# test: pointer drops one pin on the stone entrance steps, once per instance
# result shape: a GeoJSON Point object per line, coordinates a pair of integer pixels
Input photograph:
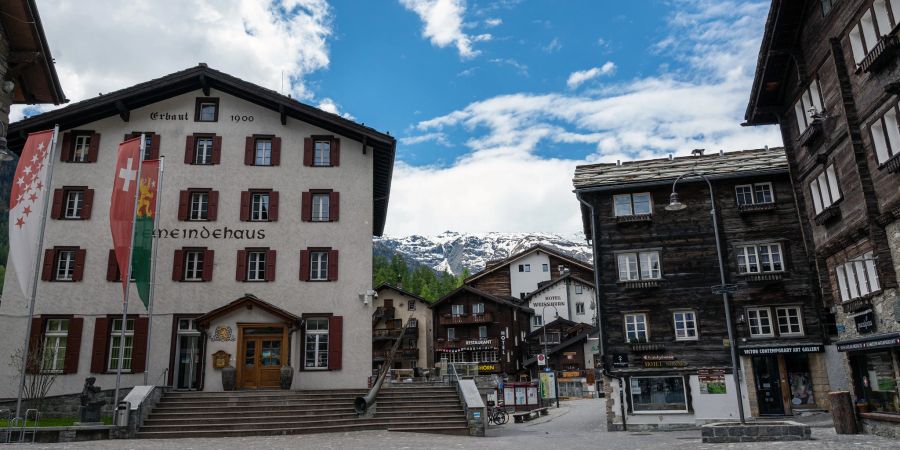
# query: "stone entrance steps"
{"type": "Point", "coordinates": [274, 412]}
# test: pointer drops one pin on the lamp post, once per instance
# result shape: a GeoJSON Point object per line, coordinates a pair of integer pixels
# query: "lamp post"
{"type": "Point", "coordinates": [676, 205]}
{"type": "Point", "coordinates": [547, 357]}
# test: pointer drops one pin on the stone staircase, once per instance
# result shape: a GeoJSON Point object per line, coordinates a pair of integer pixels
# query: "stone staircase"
{"type": "Point", "coordinates": [428, 409]}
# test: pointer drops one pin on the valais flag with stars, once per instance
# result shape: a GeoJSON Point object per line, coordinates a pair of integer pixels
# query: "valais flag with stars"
{"type": "Point", "coordinates": [26, 204]}
{"type": "Point", "coordinates": [122, 214]}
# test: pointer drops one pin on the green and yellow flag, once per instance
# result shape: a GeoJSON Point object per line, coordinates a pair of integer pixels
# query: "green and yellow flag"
{"type": "Point", "coordinates": [145, 217]}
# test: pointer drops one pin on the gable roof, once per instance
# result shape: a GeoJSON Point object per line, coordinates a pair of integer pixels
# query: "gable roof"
{"type": "Point", "coordinates": [559, 321]}
{"type": "Point", "coordinates": [248, 300]}
{"type": "Point", "coordinates": [511, 302]}
{"type": "Point", "coordinates": [497, 264]}
{"type": "Point", "coordinates": [31, 64]}
{"type": "Point", "coordinates": [664, 170]}
{"type": "Point", "coordinates": [562, 346]}
{"type": "Point", "coordinates": [551, 283]}
{"type": "Point", "coordinates": [386, 286]}
{"type": "Point", "coordinates": [121, 102]}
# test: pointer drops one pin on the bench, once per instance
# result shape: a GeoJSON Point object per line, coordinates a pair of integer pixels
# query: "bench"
{"type": "Point", "coordinates": [525, 416]}
{"type": "Point", "coordinates": [544, 411]}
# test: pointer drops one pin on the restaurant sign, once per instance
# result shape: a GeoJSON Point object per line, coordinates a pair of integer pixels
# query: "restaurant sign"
{"type": "Point", "coordinates": [479, 342]}
{"type": "Point", "coordinates": [781, 350]}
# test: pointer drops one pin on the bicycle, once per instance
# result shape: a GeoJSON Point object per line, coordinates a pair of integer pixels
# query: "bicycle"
{"type": "Point", "coordinates": [497, 416]}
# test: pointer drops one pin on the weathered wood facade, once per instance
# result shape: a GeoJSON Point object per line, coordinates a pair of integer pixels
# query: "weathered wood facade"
{"type": "Point", "coordinates": [394, 307]}
{"type": "Point", "coordinates": [848, 53]}
{"type": "Point", "coordinates": [667, 322]}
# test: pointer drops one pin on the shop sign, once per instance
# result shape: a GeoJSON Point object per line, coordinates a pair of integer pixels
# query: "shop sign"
{"type": "Point", "coordinates": [781, 350]}
{"type": "Point", "coordinates": [865, 321]}
{"type": "Point", "coordinates": [487, 367]}
{"type": "Point", "coordinates": [620, 360]}
{"type": "Point", "coordinates": [647, 347]}
{"type": "Point", "coordinates": [479, 342]}
{"type": "Point", "coordinates": [502, 342]}
{"type": "Point", "coordinates": [662, 357]}
{"type": "Point", "coordinates": [658, 364]}
{"type": "Point", "coordinates": [888, 340]}
{"type": "Point", "coordinates": [574, 374]}
{"type": "Point", "coordinates": [712, 381]}
{"type": "Point", "coordinates": [221, 359]}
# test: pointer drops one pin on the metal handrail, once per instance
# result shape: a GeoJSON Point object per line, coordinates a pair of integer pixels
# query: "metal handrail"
{"type": "Point", "coordinates": [363, 403]}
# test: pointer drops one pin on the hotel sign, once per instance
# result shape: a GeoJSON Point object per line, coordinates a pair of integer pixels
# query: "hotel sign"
{"type": "Point", "coordinates": [781, 350]}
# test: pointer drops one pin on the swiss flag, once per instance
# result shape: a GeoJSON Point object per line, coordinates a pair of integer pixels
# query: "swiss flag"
{"type": "Point", "coordinates": [121, 206]}
{"type": "Point", "coordinates": [26, 203]}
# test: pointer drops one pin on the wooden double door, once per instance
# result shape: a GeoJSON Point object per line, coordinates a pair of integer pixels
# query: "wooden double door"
{"type": "Point", "coordinates": [263, 351]}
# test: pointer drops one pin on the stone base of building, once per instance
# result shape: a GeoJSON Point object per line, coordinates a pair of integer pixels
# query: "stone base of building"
{"type": "Point", "coordinates": [57, 406]}
{"type": "Point", "coordinates": [728, 432]}
{"type": "Point", "coordinates": [890, 429]}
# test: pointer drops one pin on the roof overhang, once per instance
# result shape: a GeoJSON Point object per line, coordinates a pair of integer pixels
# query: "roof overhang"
{"type": "Point", "coordinates": [513, 258]}
{"type": "Point", "coordinates": [479, 293]}
{"type": "Point", "coordinates": [30, 63]}
{"type": "Point", "coordinates": [247, 302]}
{"type": "Point", "coordinates": [385, 287]}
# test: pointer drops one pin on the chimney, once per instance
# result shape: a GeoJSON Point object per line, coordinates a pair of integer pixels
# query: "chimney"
{"type": "Point", "coordinates": [697, 152]}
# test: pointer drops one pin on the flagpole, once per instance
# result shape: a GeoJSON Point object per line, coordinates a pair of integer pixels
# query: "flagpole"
{"type": "Point", "coordinates": [37, 268]}
{"type": "Point", "coordinates": [159, 182]}
{"type": "Point", "coordinates": [137, 194]}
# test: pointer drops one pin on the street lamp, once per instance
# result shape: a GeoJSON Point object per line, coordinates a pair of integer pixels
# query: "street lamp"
{"type": "Point", "coordinates": [676, 205]}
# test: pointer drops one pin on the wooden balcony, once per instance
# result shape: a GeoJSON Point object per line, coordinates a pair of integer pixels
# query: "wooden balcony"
{"type": "Point", "coordinates": [813, 132]}
{"type": "Point", "coordinates": [402, 354]}
{"type": "Point", "coordinates": [386, 334]}
{"type": "Point", "coordinates": [892, 165]}
{"type": "Point", "coordinates": [756, 207]}
{"type": "Point", "coordinates": [881, 54]}
{"type": "Point", "coordinates": [635, 218]}
{"type": "Point", "coordinates": [466, 319]}
{"type": "Point", "coordinates": [827, 215]}
{"type": "Point", "coordinates": [382, 313]}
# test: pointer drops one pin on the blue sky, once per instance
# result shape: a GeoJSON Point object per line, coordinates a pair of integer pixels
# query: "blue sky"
{"type": "Point", "coordinates": [494, 103]}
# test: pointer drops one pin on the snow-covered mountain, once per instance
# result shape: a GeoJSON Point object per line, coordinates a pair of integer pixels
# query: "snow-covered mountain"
{"type": "Point", "coordinates": [452, 251]}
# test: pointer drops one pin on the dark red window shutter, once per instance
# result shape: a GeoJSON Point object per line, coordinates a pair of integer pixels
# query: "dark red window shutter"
{"type": "Point", "coordinates": [217, 150]}
{"type": "Point", "coordinates": [178, 266]}
{"type": "Point", "coordinates": [276, 151]}
{"type": "Point", "coordinates": [335, 342]}
{"type": "Point", "coordinates": [73, 345]}
{"type": "Point", "coordinates": [56, 207]}
{"type": "Point", "coordinates": [273, 206]}
{"type": "Point", "coordinates": [335, 152]}
{"type": "Point", "coordinates": [208, 260]}
{"type": "Point", "coordinates": [112, 267]}
{"type": "Point", "coordinates": [154, 147]}
{"type": "Point", "coordinates": [189, 150]}
{"type": "Point", "coordinates": [49, 260]}
{"type": "Point", "coordinates": [88, 204]}
{"type": "Point", "coordinates": [306, 206]}
{"type": "Point", "coordinates": [139, 351]}
{"type": "Point", "coordinates": [304, 265]}
{"type": "Point", "coordinates": [307, 151]}
{"type": "Point", "coordinates": [240, 272]}
{"type": "Point", "coordinates": [332, 265]}
{"type": "Point", "coordinates": [94, 149]}
{"type": "Point", "coordinates": [68, 145]}
{"type": "Point", "coordinates": [248, 151]}
{"type": "Point", "coordinates": [35, 345]}
{"type": "Point", "coordinates": [334, 206]}
{"type": "Point", "coordinates": [78, 273]}
{"type": "Point", "coordinates": [212, 210]}
{"type": "Point", "coordinates": [101, 338]}
{"type": "Point", "coordinates": [245, 206]}
{"type": "Point", "coordinates": [184, 197]}
{"type": "Point", "coordinates": [270, 265]}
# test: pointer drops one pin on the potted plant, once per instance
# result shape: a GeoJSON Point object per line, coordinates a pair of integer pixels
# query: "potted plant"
{"type": "Point", "coordinates": [229, 378]}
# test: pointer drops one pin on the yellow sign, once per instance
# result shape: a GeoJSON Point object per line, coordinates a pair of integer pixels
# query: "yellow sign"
{"type": "Point", "coordinates": [487, 367]}
{"type": "Point", "coordinates": [570, 374]}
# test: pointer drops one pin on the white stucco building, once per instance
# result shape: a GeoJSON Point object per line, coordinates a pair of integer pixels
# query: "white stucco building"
{"type": "Point", "coordinates": [568, 297]}
{"type": "Point", "coordinates": [265, 239]}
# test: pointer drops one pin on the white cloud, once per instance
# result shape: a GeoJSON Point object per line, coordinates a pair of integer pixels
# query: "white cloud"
{"type": "Point", "coordinates": [443, 23]}
{"type": "Point", "coordinates": [522, 68]}
{"type": "Point", "coordinates": [504, 184]}
{"type": "Point", "coordinates": [553, 46]}
{"type": "Point", "coordinates": [440, 138]}
{"type": "Point", "coordinates": [126, 43]}
{"type": "Point", "coordinates": [579, 77]}
{"type": "Point", "coordinates": [493, 22]}
{"type": "Point", "coordinates": [328, 105]}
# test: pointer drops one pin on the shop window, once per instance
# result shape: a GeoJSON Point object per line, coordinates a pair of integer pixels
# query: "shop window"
{"type": "Point", "coordinates": [655, 394]}
{"type": "Point", "coordinates": [875, 382]}
{"type": "Point", "coordinates": [800, 380]}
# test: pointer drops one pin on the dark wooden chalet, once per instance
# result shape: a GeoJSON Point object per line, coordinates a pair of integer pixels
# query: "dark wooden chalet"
{"type": "Point", "coordinates": [828, 75]}
{"type": "Point", "coordinates": [662, 326]}
{"type": "Point", "coordinates": [473, 326]}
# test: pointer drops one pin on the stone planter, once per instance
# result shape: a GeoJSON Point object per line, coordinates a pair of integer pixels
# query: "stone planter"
{"type": "Point", "coordinates": [287, 377]}
{"type": "Point", "coordinates": [729, 432]}
{"type": "Point", "coordinates": [229, 378]}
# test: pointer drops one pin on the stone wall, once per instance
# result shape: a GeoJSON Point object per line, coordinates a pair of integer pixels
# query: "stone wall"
{"type": "Point", "coordinates": [65, 405]}
{"type": "Point", "coordinates": [880, 428]}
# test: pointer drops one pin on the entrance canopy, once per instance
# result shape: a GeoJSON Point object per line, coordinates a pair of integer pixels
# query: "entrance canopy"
{"type": "Point", "coordinates": [247, 302]}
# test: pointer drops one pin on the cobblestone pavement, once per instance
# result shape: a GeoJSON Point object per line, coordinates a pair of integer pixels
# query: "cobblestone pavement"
{"type": "Point", "coordinates": [575, 425]}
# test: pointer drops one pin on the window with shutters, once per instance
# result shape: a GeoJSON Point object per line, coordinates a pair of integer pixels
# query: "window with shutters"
{"type": "Point", "coordinates": [206, 109]}
{"type": "Point", "coordinates": [478, 308]}
{"type": "Point", "coordinates": [579, 289]}
{"type": "Point", "coordinates": [65, 265]}
{"type": "Point", "coordinates": [193, 265]}
{"type": "Point", "coordinates": [808, 105]}
{"type": "Point", "coordinates": [115, 344]}
{"type": "Point", "coordinates": [760, 322]}
{"type": "Point", "coordinates": [203, 150]}
{"type": "Point", "coordinates": [263, 152]}
{"type": "Point", "coordinates": [685, 325]}
{"type": "Point", "coordinates": [316, 355]}
{"type": "Point", "coordinates": [824, 189]}
{"type": "Point", "coordinates": [789, 320]}
{"type": "Point", "coordinates": [82, 144]}
{"type": "Point", "coordinates": [74, 204]}
{"type": "Point", "coordinates": [56, 333]}
{"type": "Point", "coordinates": [322, 153]}
{"type": "Point", "coordinates": [636, 327]}
{"type": "Point", "coordinates": [320, 207]}
{"type": "Point", "coordinates": [632, 204]}
{"type": "Point", "coordinates": [199, 206]}
{"type": "Point", "coordinates": [545, 268]}
{"type": "Point", "coordinates": [885, 131]}
{"type": "Point", "coordinates": [639, 266]}
{"type": "Point", "coordinates": [857, 277]}
{"type": "Point", "coordinates": [318, 265]}
{"type": "Point", "coordinates": [877, 22]}
{"type": "Point", "coordinates": [411, 305]}
{"type": "Point", "coordinates": [482, 332]}
{"type": "Point", "coordinates": [760, 258]}
{"type": "Point", "coordinates": [751, 194]}
{"type": "Point", "coordinates": [451, 333]}
{"type": "Point", "coordinates": [256, 265]}
{"type": "Point", "coordinates": [259, 207]}
{"type": "Point", "coordinates": [537, 321]}
{"type": "Point", "coordinates": [458, 310]}
{"type": "Point", "coordinates": [579, 308]}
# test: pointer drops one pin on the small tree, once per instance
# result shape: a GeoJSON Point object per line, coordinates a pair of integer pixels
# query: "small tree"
{"type": "Point", "coordinates": [37, 381]}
